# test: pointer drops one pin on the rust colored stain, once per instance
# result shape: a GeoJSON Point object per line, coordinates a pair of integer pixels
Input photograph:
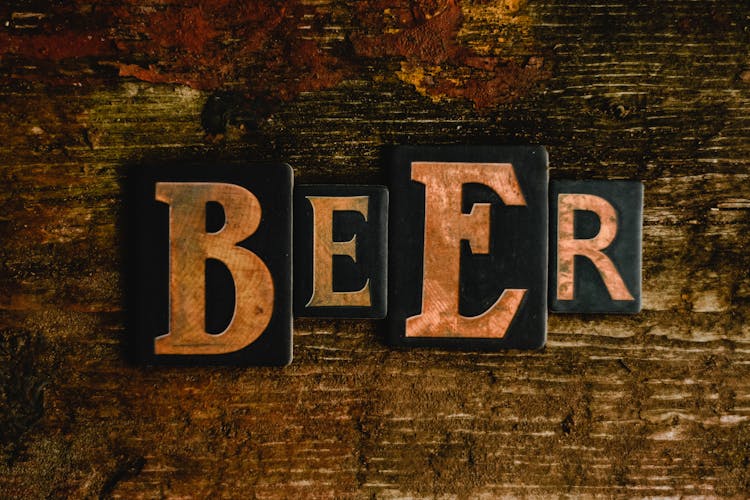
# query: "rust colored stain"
{"type": "Point", "coordinates": [437, 64]}
{"type": "Point", "coordinates": [56, 47]}
{"type": "Point", "coordinates": [427, 39]}
{"type": "Point", "coordinates": [218, 41]}
{"type": "Point", "coordinates": [204, 44]}
{"type": "Point", "coordinates": [275, 50]}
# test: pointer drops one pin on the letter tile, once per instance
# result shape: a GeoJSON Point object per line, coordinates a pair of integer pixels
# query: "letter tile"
{"type": "Point", "coordinates": [340, 242]}
{"type": "Point", "coordinates": [211, 264]}
{"type": "Point", "coordinates": [595, 254]}
{"type": "Point", "coordinates": [468, 246]}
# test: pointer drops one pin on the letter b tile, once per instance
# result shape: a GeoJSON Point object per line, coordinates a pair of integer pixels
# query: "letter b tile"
{"type": "Point", "coordinates": [468, 247]}
{"type": "Point", "coordinates": [340, 244]}
{"type": "Point", "coordinates": [210, 264]}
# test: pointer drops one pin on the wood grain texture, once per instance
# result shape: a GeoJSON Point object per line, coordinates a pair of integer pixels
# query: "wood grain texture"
{"type": "Point", "coordinates": [655, 404]}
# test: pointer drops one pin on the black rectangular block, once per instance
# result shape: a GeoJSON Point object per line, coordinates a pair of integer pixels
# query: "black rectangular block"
{"type": "Point", "coordinates": [209, 257]}
{"type": "Point", "coordinates": [468, 247]}
{"type": "Point", "coordinates": [596, 239]}
{"type": "Point", "coordinates": [340, 244]}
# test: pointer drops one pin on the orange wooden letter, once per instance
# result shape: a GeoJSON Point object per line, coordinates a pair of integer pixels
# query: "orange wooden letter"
{"type": "Point", "coordinates": [324, 248]}
{"type": "Point", "coordinates": [445, 227]}
{"type": "Point", "coordinates": [189, 247]}
{"type": "Point", "coordinates": [568, 247]}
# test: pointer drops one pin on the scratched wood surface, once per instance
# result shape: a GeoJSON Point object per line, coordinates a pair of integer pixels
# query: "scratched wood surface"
{"type": "Point", "coordinates": [655, 404]}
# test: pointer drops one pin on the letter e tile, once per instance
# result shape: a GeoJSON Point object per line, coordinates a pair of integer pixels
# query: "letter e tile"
{"type": "Point", "coordinates": [340, 244]}
{"type": "Point", "coordinates": [468, 246]}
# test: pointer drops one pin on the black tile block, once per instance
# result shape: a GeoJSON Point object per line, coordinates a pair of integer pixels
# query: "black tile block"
{"type": "Point", "coordinates": [340, 244]}
{"type": "Point", "coordinates": [209, 258]}
{"type": "Point", "coordinates": [468, 247]}
{"type": "Point", "coordinates": [595, 250]}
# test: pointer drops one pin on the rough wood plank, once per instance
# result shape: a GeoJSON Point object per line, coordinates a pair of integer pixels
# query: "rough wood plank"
{"type": "Point", "coordinates": [653, 404]}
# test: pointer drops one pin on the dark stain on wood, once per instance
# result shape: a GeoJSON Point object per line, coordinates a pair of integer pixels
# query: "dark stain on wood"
{"type": "Point", "coordinates": [21, 388]}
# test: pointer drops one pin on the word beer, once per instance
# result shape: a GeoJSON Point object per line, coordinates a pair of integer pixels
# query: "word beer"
{"type": "Point", "coordinates": [456, 253]}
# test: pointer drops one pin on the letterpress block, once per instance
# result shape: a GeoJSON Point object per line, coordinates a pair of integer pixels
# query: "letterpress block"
{"type": "Point", "coordinates": [211, 263]}
{"type": "Point", "coordinates": [595, 255]}
{"type": "Point", "coordinates": [340, 242]}
{"type": "Point", "coordinates": [468, 247]}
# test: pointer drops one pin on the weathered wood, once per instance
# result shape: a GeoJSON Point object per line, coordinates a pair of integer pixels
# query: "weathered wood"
{"type": "Point", "coordinates": [652, 404]}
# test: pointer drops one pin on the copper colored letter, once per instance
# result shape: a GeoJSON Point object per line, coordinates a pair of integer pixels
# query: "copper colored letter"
{"type": "Point", "coordinates": [189, 247]}
{"type": "Point", "coordinates": [445, 226]}
{"type": "Point", "coordinates": [324, 248]}
{"type": "Point", "coordinates": [568, 247]}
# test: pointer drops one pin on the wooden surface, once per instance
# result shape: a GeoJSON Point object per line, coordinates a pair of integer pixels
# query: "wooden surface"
{"type": "Point", "coordinates": [652, 404]}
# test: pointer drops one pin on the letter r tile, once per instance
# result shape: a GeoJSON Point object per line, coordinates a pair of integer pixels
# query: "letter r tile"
{"type": "Point", "coordinates": [209, 264]}
{"type": "Point", "coordinates": [468, 247]}
{"type": "Point", "coordinates": [340, 244]}
{"type": "Point", "coordinates": [595, 251]}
